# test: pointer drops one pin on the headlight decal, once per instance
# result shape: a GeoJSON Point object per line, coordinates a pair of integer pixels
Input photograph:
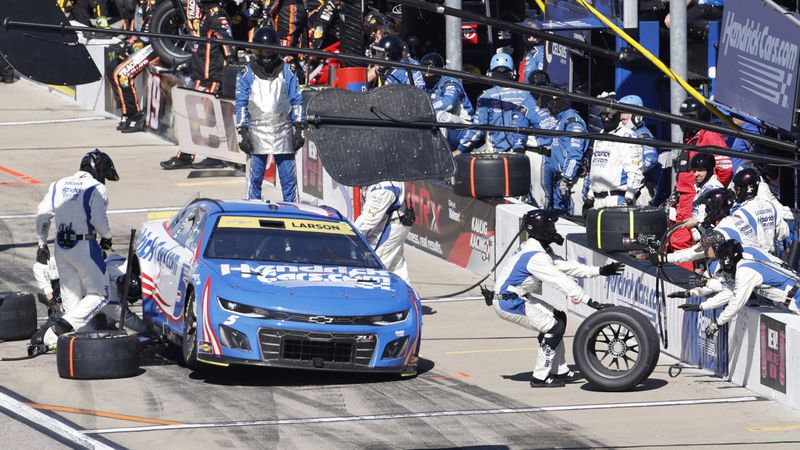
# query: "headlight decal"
{"type": "Point", "coordinates": [208, 330]}
{"type": "Point", "coordinates": [418, 318]}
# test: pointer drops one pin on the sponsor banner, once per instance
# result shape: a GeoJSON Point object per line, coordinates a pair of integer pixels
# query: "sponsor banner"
{"type": "Point", "coordinates": [772, 339]}
{"type": "Point", "coordinates": [757, 66]}
{"type": "Point", "coordinates": [697, 349]}
{"type": "Point", "coordinates": [293, 275]}
{"type": "Point", "coordinates": [159, 111]}
{"type": "Point", "coordinates": [558, 58]}
{"type": "Point", "coordinates": [458, 229]}
{"type": "Point", "coordinates": [205, 125]}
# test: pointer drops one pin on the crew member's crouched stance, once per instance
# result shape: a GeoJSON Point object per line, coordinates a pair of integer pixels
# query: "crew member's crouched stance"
{"type": "Point", "coordinates": [533, 263]}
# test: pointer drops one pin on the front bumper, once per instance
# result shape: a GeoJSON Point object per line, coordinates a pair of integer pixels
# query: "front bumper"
{"type": "Point", "coordinates": [320, 349]}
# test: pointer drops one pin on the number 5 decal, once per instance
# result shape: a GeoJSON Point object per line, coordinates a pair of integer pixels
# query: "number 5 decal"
{"type": "Point", "coordinates": [231, 320]}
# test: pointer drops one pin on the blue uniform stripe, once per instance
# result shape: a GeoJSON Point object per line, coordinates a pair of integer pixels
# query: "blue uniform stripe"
{"type": "Point", "coordinates": [87, 197]}
{"type": "Point", "coordinates": [751, 220]}
{"type": "Point", "coordinates": [730, 233]}
{"type": "Point", "coordinates": [518, 273]}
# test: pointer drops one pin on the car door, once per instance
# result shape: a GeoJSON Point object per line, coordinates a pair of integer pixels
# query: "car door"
{"type": "Point", "coordinates": [176, 258]}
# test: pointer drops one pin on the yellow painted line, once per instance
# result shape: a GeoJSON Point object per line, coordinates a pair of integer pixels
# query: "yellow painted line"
{"type": "Point", "coordinates": [776, 428]}
{"type": "Point", "coordinates": [492, 351]}
{"type": "Point", "coordinates": [209, 183]}
{"type": "Point", "coordinates": [161, 215]}
{"type": "Point", "coordinates": [68, 90]}
{"type": "Point", "coordinates": [110, 415]}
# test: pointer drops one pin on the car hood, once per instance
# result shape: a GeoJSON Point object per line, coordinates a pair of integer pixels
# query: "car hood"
{"type": "Point", "coordinates": [312, 289]}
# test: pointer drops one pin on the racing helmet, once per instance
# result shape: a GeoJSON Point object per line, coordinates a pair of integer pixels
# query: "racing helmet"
{"type": "Point", "coordinates": [745, 184]}
{"type": "Point", "coordinates": [501, 66]}
{"type": "Point", "coordinates": [711, 240]}
{"type": "Point", "coordinates": [540, 224]}
{"type": "Point", "coordinates": [634, 100]}
{"type": "Point", "coordinates": [100, 166]}
{"type": "Point", "coordinates": [703, 161]}
{"type": "Point", "coordinates": [555, 103]}
{"type": "Point", "coordinates": [729, 253]}
{"type": "Point", "coordinates": [693, 109]}
{"type": "Point", "coordinates": [266, 35]}
{"type": "Point", "coordinates": [389, 48]}
{"type": "Point", "coordinates": [718, 203]}
{"type": "Point", "coordinates": [538, 78]}
{"type": "Point", "coordinates": [435, 60]}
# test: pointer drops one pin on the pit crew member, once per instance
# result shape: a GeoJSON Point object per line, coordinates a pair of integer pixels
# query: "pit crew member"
{"type": "Point", "coordinates": [615, 175]}
{"type": "Point", "coordinates": [746, 270]}
{"type": "Point", "coordinates": [268, 101]}
{"type": "Point", "coordinates": [531, 264]}
{"type": "Point", "coordinates": [385, 221]}
{"type": "Point", "coordinates": [449, 100]}
{"type": "Point", "coordinates": [78, 204]}
{"type": "Point", "coordinates": [651, 167]}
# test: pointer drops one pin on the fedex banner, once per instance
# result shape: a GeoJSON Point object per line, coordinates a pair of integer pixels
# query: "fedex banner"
{"type": "Point", "coordinates": [758, 64]}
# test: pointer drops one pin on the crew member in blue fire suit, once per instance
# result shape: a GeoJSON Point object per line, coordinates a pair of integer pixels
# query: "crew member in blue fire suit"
{"type": "Point", "coordinates": [567, 154]}
{"type": "Point", "coordinates": [501, 106]}
{"type": "Point", "coordinates": [448, 98]}
{"type": "Point", "coordinates": [652, 169]}
{"type": "Point", "coordinates": [392, 48]}
{"type": "Point", "coordinates": [532, 264]}
{"type": "Point", "coordinates": [268, 101]}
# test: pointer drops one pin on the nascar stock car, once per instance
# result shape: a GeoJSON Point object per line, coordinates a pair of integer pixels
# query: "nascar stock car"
{"type": "Point", "coordinates": [275, 284]}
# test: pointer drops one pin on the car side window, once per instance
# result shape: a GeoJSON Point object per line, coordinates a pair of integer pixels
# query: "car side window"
{"type": "Point", "coordinates": [197, 224]}
{"type": "Point", "coordinates": [182, 231]}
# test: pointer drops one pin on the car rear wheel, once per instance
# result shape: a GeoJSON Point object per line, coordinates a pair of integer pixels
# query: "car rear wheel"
{"type": "Point", "coordinates": [189, 340]}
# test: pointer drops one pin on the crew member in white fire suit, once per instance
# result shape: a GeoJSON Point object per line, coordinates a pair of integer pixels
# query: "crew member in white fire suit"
{"type": "Point", "coordinates": [47, 280]}
{"type": "Point", "coordinates": [268, 103]}
{"type": "Point", "coordinates": [740, 271]}
{"type": "Point", "coordinates": [385, 221]}
{"type": "Point", "coordinates": [615, 176]}
{"type": "Point", "coordinates": [78, 203]}
{"type": "Point", "coordinates": [530, 265]}
{"type": "Point", "coordinates": [754, 221]}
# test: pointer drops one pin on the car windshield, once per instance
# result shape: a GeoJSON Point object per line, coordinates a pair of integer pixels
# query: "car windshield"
{"type": "Point", "coordinates": [298, 241]}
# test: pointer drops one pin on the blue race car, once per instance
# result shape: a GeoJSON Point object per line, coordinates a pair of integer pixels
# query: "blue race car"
{"type": "Point", "coordinates": [275, 284]}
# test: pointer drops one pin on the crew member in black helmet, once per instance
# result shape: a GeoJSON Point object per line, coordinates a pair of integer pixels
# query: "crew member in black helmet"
{"type": "Point", "coordinates": [78, 204]}
{"type": "Point", "coordinates": [530, 265]}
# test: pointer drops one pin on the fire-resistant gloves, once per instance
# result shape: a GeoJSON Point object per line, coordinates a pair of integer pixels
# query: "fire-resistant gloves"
{"type": "Point", "coordinates": [615, 268]}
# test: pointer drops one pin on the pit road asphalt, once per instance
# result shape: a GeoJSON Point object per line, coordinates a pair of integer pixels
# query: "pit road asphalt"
{"type": "Point", "coordinates": [472, 390]}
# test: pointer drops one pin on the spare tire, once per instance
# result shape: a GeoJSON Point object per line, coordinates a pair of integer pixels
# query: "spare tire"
{"type": "Point", "coordinates": [96, 355]}
{"type": "Point", "coordinates": [169, 20]}
{"type": "Point", "coordinates": [488, 175]}
{"type": "Point", "coordinates": [17, 315]}
{"type": "Point", "coordinates": [620, 227]}
{"type": "Point", "coordinates": [616, 348]}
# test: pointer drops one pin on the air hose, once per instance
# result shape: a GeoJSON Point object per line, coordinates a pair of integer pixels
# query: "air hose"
{"type": "Point", "coordinates": [496, 264]}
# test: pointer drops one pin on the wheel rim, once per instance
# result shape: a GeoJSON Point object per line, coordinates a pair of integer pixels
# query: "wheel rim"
{"type": "Point", "coordinates": [613, 349]}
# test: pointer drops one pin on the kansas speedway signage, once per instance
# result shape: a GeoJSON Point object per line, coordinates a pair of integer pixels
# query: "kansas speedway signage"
{"type": "Point", "coordinates": [757, 66]}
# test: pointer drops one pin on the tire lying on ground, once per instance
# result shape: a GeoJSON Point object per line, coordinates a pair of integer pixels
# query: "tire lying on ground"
{"type": "Point", "coordinates": [166, 19]}
{"type": "Point", "coordinates": [490, 175]}
{"type": "Point", "coordinates": [94, 355]}
{"type": "Point", "coordinates": [17, 315]}
{"type": "Point", "coordinates": [616, 348]}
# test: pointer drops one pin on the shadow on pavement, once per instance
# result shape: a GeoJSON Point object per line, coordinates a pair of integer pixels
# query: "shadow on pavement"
{"type": "Point", "coordinates": [650, 384]}
{"type": "Point", "coordinates": [260, 376]}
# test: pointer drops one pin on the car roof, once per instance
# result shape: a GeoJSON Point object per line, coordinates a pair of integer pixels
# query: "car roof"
{"type": "Point", "coordinates": [276, 209]}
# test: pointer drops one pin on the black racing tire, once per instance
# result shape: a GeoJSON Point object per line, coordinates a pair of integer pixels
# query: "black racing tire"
{"type": "Point", "coordinates": [17, 315]}
{"type": "Point", "coordinates": [189, 339]}
{"type": "Point", "coordinates": [609, 229]}
{"type": "Point", "coordinates": [97, 355]}
{"type": "Point", "coordinates": [169, 20]}
{"type": "Point", "coordinates": [627, 337]}
{"type": "Point", "coordinates": [492, 175]}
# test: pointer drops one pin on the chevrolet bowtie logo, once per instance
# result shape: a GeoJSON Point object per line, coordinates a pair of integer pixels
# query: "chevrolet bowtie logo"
{"type": "Point", "coordinates": [320, 319]}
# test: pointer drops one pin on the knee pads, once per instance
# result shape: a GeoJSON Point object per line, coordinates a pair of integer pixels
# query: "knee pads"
{"type": "Point", "coordinates": [552, 337]}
